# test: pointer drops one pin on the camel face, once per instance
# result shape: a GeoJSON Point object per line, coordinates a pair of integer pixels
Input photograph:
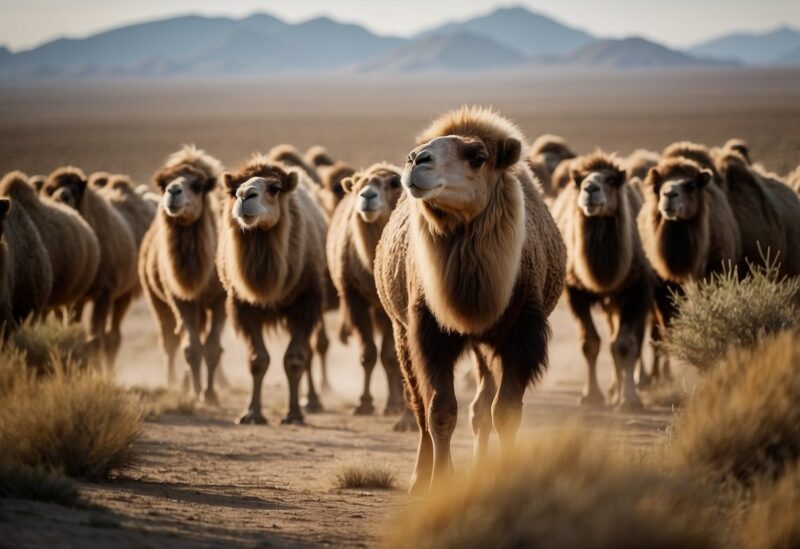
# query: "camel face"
{"type": "Point", "coordinates": [679, 199]}
{"type": "Point", "coordinates": [455, 174]}
{"type": "Point", "coordinates": [377, 194]}
{"type": "Point", "coordinates": [599, 193]}
{"type": "Point", "coordinates": [183, 197]}
{"type": "Point", "coordinates": [67, 188]}
{"type": "Point", "coordinates": [259, 200]}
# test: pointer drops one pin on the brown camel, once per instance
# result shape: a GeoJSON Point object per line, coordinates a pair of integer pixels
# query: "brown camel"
{"type": "Point", "coordinates": [766, 210]}
{"type": "Point", "coordinates": [606, 266]}
{"type": "Point", "coordinates": [116, 274]}
{"type": "Point", "coordinates": [318, 156]}
{"type": "Point", "coordinates": [546, 153]}
{"type": "Point", "coordinates": [26, 277]}
{"type": "Point", "coordinates": [290, 156]}
{"type": "Point", "coordinates": [471, 257]}
{"type": "Point", "coordinates": [71, 244]}
{"type": "Point", "coordinates": [331, 192]}
{"type": "Point", "coordinates": [353, 236]}
{"type": "Point", "coordinates": [177, 266]}
{"type": "Point", "coordinates": [270, 262]}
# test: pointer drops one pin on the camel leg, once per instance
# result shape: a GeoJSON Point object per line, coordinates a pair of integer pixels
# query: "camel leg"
{"type": "Point", "coordinates": [249, 323]}
{"type": "Point", "coordinates": [628, 319]}
{"type": "Point", "coordinates": [580, 303]}
{"type": "Point", "coordinates": [423, 467]}
{"type": "Point", "coordinates": [114, 338]}
{"type": "Point", "coordinates": [321, 345]}
{"type": "Point", "coordinates": [435, 352]}
{"type": "Point", "coordinates": [302, 318]}
{"type": "Point", "coordinates": [359, 313]}
{"type": "Point", "coordinates": [320, 340]}
{"type": "Point", "coordinates": [97, 331]}
{"type": "Point", "coordinates": [168, 337]}
{"type": "Point", "coordinates": [396, 403]}
{"type": "Point", "coordinates": [212, 350]}
{"type": "Point", "coordinates": [665, 310]}
{"type": "Point", "coordinates": [192, 347]}
{"type": "Point", "coordinates": [481, 408]}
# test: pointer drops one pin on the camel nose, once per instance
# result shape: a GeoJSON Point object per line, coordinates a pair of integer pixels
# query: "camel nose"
{"type": "Point", "coordinates": [592, 188]}
{"type": "Point", "coordinates": [175, 190]}
{"type": "Point", "coordinates": [369, 193]}
{"type": "Point", "coordinates": [423, 157]}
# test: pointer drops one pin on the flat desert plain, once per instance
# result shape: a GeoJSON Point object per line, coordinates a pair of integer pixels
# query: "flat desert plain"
{"type": "Point", "coordinates": [200, 479]}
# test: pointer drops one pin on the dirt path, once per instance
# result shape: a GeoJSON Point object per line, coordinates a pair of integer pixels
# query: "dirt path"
{"type": "Point", "coordinates": [201, 480]}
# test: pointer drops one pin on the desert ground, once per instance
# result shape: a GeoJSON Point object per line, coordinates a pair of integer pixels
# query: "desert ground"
{"type": "Point", "coordinates": [202, 480]}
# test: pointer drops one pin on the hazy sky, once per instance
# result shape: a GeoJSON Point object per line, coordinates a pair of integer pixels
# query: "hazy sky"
{"type": "Point", "coordinates": [25, 23]}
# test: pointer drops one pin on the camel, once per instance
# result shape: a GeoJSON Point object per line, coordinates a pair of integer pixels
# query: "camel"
{"type": "Point", "coordinates": [354, 232]}
{"type": "Point", "coordinates": [331, 192]}
{"type": "Point", "coordinates": [270, 262]}
{"type": "Point", "coordinates": [26, 277]}
{"type": "Point", "coordinates": [290, 156]}
{"type": "Point", "coordinates": [739, 146]}
{"type": "Point", "coordinates": [546, 153]}
{"type": "Point", "coordinates": [70, 243]}
{"type": "Point", "coordinates": [318, 156]}
{"type": "Point", "coordinates": [639, 162]}
{"type": "Point", "coordinates": [606, 266]}
{"type": "Point", "coordinates": [177, 267]}
{"type": "Point", "coordinates": [766, 210]}
{"type": "Point", "coordinates": [116, 273]}
{"type": "Point", "coordinates": [471, 257]}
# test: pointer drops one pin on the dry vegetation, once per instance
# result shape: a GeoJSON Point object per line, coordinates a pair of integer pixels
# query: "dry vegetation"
{"type": "Point", "coordinates": [567, 490]}
{"type": "Point", "coordinates": [157, 401]}
{"type": "Point", "coordinates": [51, 342]}
{"type": "Point", "coordinates": [361, 475]}
{"type": "Point", "coordinates": [727, 312]}
{"type": "Point", "coordinates": [771, 522]}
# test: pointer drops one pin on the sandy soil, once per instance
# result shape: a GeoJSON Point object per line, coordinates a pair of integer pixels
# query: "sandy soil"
{"type": "Point", "coordinates": [202, 480]}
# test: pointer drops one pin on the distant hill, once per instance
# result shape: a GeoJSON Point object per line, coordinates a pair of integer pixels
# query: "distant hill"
{"type": "Point", "coordinates": [519, 29]}
{"type": "Point", "coordinates": [446, 52]}
{"type": "Point", "coordinates": [754, 49]}
{"type": "Point", "coordinates": [630, 53]}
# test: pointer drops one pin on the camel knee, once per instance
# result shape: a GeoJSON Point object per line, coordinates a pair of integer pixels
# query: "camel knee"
{"type": "Point", "coordinates": [591, 347]}
{"type": "Point", "coordinates": [480, 415]}
{"type": "Point", "coordinates": [193, 354]}
{"type": "Point", "coordinates": [296, 360]}
{"type": "Point", "coordinates": [259, 364]}
{"type": "Point", "coordinates": [623, 349]}
{"type": "Point", "coordinates": [322, 343]}
{"type": "Point", "coordinates": [369, 355]}
{"type": "Point", "coordinates": [212, 352]}
{"type": "Point", "coordinates": [443, 416]}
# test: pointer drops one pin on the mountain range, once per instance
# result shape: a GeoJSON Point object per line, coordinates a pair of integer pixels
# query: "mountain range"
{"type": "Point", "coordinates": [506, 38]}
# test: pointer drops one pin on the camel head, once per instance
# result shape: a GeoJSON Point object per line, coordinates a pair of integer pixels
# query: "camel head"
{"type": "Point", "coordinates": [66, 185]}
{"type": "Point", "coordinates": [549, 151]}
{"type": "Point", "coordinates": [259, 193]}
{"type": "Point", "coordinates": [376, 192]}
{"type": "Point", "coordinates": [183, 191]}
{"type": "Point", "coordinates": [599, 179]}
{"type": "Point", "coordinates": [99, 180]}
{"type": "Point", "coordinates": [331, 191]}
{"type": "Point", "coordinates": [459, 164]}
{"type": "Point", "coordinates": [678, 184]}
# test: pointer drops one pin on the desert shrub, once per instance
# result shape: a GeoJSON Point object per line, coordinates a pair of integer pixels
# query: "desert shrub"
{"type": "Point", "coordinates": [49, 343]}
{"type": "Point", "coordinates": [771, 521]}
{"type": "Point", "coordinates": [725, 312]}
{"type": "Point", "coordinates": [157, 401]}
{"type": "Point", "coordinates": [70, 421]}
{"type": "Point", "coordinates": [365, 476]}
{"type": "Point", "coordinates": [567, 490]}
{"type": "Point", "coordinates": [37, 484]}
{"type": "Point", "coordinates": [744, 420]}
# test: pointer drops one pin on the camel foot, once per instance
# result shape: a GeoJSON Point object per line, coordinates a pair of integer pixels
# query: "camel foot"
{"type": "Point", "coordinates": [293, 419]}
{"type": "Point", "coordinates": [394, 408]}
{"type": "Point", "coordinates": [210, 398]}
{"type": "Point", "coordinates": [252, 418]}
{"type": "Point", "coordinates": [406, 424]}
{"type": "Point", "coordinates": [364, 409]}
{"type": "Point", "coordinates": [630, 404]}
{"type": "Point", "coordinates": [313, 406]}
{"type": "Point", "coordinates": [419, 486]}
{"type": "Point", "coordinates": [592, 398]}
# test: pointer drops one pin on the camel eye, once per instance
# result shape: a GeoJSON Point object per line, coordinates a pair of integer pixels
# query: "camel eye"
{"type": "Point", "coordinates": [395, 183]}
{"type": "Point", "coordinates": [197, 187]}
{"type": "Point", "coordinates": [690, 187]}
{"type": "Point", "coordinates": [477, 160]}
{"type": "Point", "coordinates": [273, 190]}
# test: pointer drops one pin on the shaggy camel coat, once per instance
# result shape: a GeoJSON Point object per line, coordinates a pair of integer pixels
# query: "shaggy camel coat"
{"type": "Point", "coordinates": [350, 250]}
{"type": "Point", "coordinates": [606, 266]}
{"type": "Point", "coordinates": [290, 156]}
{"type": "Point", "coordinates": [489, 282]}
{"type": "Point", "coordinates": [274, 277]}
{"type": "Point", "coordinates": [71, 244]}
{"type": "Point", "coordinates": [545, 155]}
{"type": "Point", "coordinates": [178, 273]}
{"type": "Point", "coordinates": [25, 273]}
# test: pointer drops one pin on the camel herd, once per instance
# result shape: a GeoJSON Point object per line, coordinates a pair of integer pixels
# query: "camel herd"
{"type": "Point", "coordinates": [468, 247]}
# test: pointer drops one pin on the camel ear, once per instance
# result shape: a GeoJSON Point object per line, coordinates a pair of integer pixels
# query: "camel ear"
{"type": "Point", "coordinates": [348, 182]}
{"type": "Point", "coordinates": [704, 178]}
{"type": "Point", "coordinates": [653, 179]}
{"type": "Point", "coordinates": [5, 206]}
{"type": "Point", "coordinates": [292, 180]}
{"type": "Point", "coordinates": [508, 153]}
{"type": "Point", "coordinates": [575, 176]}
{"type": "Point", "coordinates": [228, 182]}
{"type": "Point", "coordinates": [622, 177]}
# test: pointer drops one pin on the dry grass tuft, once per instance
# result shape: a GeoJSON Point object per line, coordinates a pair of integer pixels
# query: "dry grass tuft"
{"type": "Point", "coordinates": [567, 490]}
{"type": "Point", "coordinates": [744, 420]}
{"type": "Point", "coordinates": [365, 476]}
{"type": "Point", "coordinates": [46, 344]}
{"type": "Point", "coordinates": [771, 521]}
{"type": "Point", "coordinates": [669, 394]}
{"type": "Point", "coordinates": [724, 312]}
{"type": "Point", "coordinates": [38, 485]}
{"type": "Point", "coordinates": [70, 422]}
{"type": "Point", "coordinates": [157, 401]}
